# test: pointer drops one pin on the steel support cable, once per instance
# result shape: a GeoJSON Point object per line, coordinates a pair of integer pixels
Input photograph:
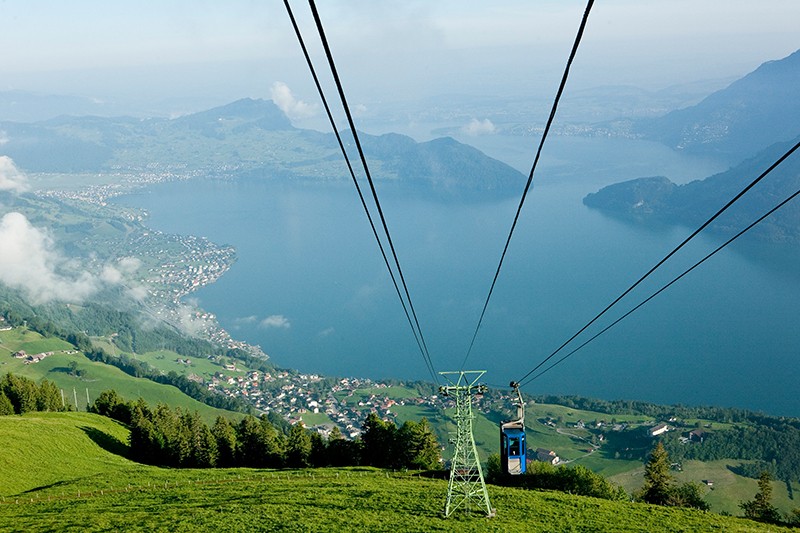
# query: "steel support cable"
{"type": "Point", "coordinates": [350, 121]}
{"type": "Point", "coordinates": [665, 287]}
{"type": "Point", "coordinates": [313, 71]}
{"type": "Point", "coordinates": [670, 254]}
{"type": "Point", "coordinates": [550, 119]}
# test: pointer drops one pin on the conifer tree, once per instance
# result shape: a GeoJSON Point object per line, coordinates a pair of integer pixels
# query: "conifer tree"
{"type": "Point", "coordinates": [248, 437]}
{"type": "Point", "coordinates": [319, 451]}
{"type": "Point", "coordinates": [298, 451]}
{"type": "Point", "coordinates": [420, 449]}
{"type": "Point", "coordinates": [760, 507]}
{"type": "Point", "coordinates": [342, 452]}
{"type": "Point", "coordinates": [225, 436]}
{"type": "Point", "coordinates": [22, 392]}
{"type": "Point", "coordinates": [48, 397]}
{"type": "Point", "coordinates": [658, 482]}
{"type": "Point", "coordinates": [377, 442]}
{"type": "Point", "coordinates": [6, 407]}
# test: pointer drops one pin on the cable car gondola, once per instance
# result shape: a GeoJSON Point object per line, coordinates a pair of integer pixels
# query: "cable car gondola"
{"type": "Point", "coordinates": [513, 450]}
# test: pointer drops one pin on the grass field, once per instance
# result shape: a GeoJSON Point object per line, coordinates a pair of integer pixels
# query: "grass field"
{"type": "Point", "coordinates": [60, 473]}
{"type": "Point", "coordinates": [168, 361]}
{"type": "Point", "coordinates": [97, 376]}
{"type": "Point", "coordinates": [569, 415]}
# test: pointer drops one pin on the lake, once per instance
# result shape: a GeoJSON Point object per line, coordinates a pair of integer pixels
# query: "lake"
{"type": "Point", "coordinates": [311, 288]}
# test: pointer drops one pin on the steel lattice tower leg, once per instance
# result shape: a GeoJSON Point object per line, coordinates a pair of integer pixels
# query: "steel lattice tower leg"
{"type": "Point", "coordinates": [466, 489]}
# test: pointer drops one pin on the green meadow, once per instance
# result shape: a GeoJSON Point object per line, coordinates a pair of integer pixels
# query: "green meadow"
{"type": "Point", "coordinates": [65, 472]}
{"type": "Point", "coordinates": [95, 377]}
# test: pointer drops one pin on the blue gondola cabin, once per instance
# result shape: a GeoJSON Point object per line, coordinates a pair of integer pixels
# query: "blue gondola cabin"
{"type": "Point", "coordinates": [513, 449]}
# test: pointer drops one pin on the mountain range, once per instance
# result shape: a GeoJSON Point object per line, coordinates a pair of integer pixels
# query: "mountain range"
{"type": "Point", "coordinates": [250, 139]}
{"type": "Point", "coordinates": [750, 123]}
{"type": "Point", "coordinates": [735, 123]}
{"type": "Point", "coordinates": [693, 203]}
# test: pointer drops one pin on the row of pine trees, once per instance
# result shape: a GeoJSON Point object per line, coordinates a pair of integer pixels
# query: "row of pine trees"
{"type": "Point", "coordinates": [19, 395]}
{"type": "Point", "coordinates": [179, 438]}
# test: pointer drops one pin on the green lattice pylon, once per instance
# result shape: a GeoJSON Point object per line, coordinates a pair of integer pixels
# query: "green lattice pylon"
{"type": "Point", "coordinates": [467, 489]}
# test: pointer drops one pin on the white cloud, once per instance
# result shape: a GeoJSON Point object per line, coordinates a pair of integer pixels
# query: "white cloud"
{"type": "Point", "coordinates": [29, 261]}
{"type": "Point", "coordinates": [3, 138]}
{"type": "Point", "coordinates": [479, 127]}
{"type": "Point", "coordinates": [137, 292]}
{"type": "Point", "coordinates": [111, 275]}
{"type": "Point", "coordinates": [275, 321]}
{"type": "Point", "coordinates": [326, 332]}
{"type": "Point", "coordinates": [191, 320]}
{"type": "Point", "coordinates": [121, 274]}
{"type": "Point", "coordinates": [291, 106]}
{"type": "Point", "coordinates": [252, 319]}
{"type": "Point", "coordinates": [129, 265]}
{"type": "Point", "coordinates": [11, 179]}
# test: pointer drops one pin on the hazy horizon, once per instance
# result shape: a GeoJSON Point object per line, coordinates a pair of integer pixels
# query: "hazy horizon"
{"type": "Point", "coordinates": [145, 57]}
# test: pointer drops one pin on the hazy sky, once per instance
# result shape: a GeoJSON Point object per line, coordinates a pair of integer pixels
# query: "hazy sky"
{"type": "Point", "coordinates": [156, 50]}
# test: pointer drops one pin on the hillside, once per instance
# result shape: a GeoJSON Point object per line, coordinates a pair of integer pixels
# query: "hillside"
{"type": "Point", "coordinates": [73, 481]}
{"type": "Point", "coordinates": [610, 440]}
{"type": "Point", "coordinates": [94, 377]}
{"type": "Point", "coordinates": [691, 204]}
{"type": "Point", "coordinates": [751, 114]}
{"type": "Point", "coordinates": [246, 139]}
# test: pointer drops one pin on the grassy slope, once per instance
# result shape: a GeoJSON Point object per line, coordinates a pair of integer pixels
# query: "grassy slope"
{"type": "Point", "coordinates": [99, 377]}
{"type": "Point", "coordinates": [42, 450]}
{"type": "Point", "coordinates": [58, 458]}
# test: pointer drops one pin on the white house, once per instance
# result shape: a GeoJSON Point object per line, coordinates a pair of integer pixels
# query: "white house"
{"type": "Point", "coordinates": [658, 430]}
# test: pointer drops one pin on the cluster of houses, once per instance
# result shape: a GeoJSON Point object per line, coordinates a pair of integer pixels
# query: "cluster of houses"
{"type": "Point", "coordinates": [296, 396]}
{"type": "Point", "coordinates": [31, 359]}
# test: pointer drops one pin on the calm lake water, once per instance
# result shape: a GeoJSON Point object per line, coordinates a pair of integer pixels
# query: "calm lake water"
{"type": "Point", "coordinates": [310, 286]}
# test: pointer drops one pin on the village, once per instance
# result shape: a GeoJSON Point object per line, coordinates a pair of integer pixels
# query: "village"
{"type": "Point", "coordinates": [319, 403]}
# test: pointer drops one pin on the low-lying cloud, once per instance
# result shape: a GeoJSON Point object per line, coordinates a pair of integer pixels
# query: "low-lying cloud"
{"type": "Point", "coordinates": [291, 106]}
{"type": "Point", "coordinates": [122, 274]}
{"type": "Point", "coordinates": [29, 261]}
{"type": "Point", "coordinates": [11, 179]}
{"type": "Point", "coordinates": [275, 321]}
{"type": "Point", "coordinates": [479, 127]}
{"type": "Point", "coordinates": [192, 320]}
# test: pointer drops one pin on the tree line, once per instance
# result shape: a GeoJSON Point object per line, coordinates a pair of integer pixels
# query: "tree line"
{"type": "Point", "coordinates": [177, 438]}
{"type": "Point", "coordinates": [19, 395]}
{"type": "Point", "coordinates": [775, 448]}
{"type": "Point", "coordinates": [727, 415]}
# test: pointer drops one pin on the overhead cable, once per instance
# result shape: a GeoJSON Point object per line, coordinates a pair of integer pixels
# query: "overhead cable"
{"type": "Point", "coordinates": [665, 287]}
{"type": "Point", "coordinates": [530, 175]}
{"type": "Point", "coordinates": [414, 324]}
{"type": "Point", "coordinates": [690, 237]}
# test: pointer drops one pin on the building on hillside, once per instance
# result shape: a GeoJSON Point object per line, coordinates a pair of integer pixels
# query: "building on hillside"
{"type": "Point", "coordinates": [657, 430]}
{"type": "Point", "coordinates": [547, 456]}
{"type": "Point", "coordinates": [697, 435]}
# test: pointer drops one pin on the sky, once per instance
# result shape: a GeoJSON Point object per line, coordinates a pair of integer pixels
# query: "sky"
{"type": "Point", "coordinates": [209, 51]}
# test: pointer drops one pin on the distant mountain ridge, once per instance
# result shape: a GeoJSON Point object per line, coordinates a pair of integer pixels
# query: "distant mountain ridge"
{"type": "Point", "coordinates": [749, 123]}
{"type": "Point", "coordinates": [754, 112]}
{"type": "Point", "coordinates": [250, 139]}
{"type": "Point", "coordinates": [693, 203]}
